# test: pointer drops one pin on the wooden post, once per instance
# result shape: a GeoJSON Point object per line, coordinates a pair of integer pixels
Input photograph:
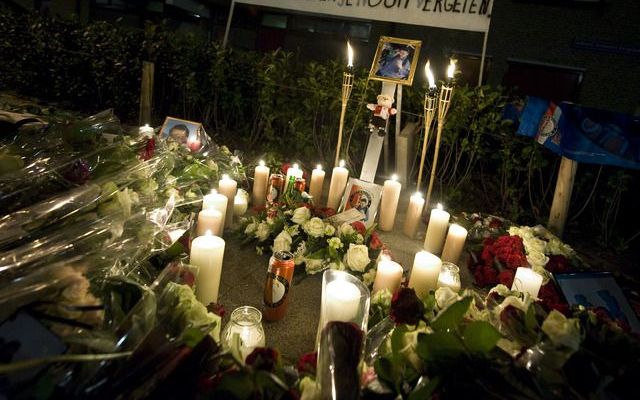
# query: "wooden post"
{"type": "Point", "coordinates": [562, 196]}
{"type": "Point", "coordinates": [146, 92]}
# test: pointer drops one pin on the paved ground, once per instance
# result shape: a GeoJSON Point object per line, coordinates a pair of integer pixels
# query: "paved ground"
{"type": "Point", "coordinates": [243, 278]}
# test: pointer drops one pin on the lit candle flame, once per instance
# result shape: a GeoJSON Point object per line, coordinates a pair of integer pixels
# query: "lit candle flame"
{"type": "Point", "coordinates": [213, 191]}
{"type": "Point", "coordinates": [341, 163]}
{"type": "Point", "coordinates": [394, 177]}
{"type": "Point", "coordinates": [418, 194]}
{"type": "Point", "coordinates": [208, 233]}
{"type": "Point", "coordinates": [451, 69]}
{"type": "Point", "coordinates": [349, 55]}
{"type": "Point", "coordinates": [430, 78]}
{"type": "Point", "coordinates": [225, 177]}
{"type": "Point", "coordinates": [439, 206]}
{"type": "Point", "coordinates": [147, 126]}
{"type": "Point", "coordinates": [261, 163]}
{"type": "Point", "coordinates": [319, 167]}
{"type": "Point", "coordinates": [295, 166]}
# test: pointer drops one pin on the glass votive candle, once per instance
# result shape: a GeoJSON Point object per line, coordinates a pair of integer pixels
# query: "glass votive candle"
{"type": "Point", "coordinates": [246, 323]}
{"type": "Point", "coordinates": [449, 276]}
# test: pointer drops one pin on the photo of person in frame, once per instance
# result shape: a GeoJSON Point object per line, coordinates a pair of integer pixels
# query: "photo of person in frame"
{"type": "Point", "coordinates": [395, 61]}
{"type": "Point", "coordinates": [360, 199]}
{"type": "Point", "coordinates": [181, 131]}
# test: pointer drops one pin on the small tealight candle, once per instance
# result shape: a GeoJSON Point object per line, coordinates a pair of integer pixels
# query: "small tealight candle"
{"type": "Point", "coordinates": [209, 220]}
{"type": "Point", "coordinates": [207, 253]}
{"type": "Point", "coordinates": [437, 230]}
{"type": "Point", "coordinates": [527, 281]}
{"type": "Point", "coordinates": [456, 237]}
{"type": "Point", "coordinates": [317, 183]}
{"type": "Point", "coordinates": [425, 272]}
{"type": "Point", "coordinates": [146, 130]}
{"type": "Point", "coordinates": [240, 205]}
{"type": "Point", "coordinates": [449, 276]}
{"type": "Point", "coordinates": [339, 179]}
{"type": "Point", "coordinates": [414, 212]}
{"type": "Point", "coordinates": [342, 302]}
{"type": "Point", "coordinates": [389, 203]}
{"type": "Point", "coordinates": [388, 275]}
{"type": "Point", "coordinates": [228, 188]}
{"type": "Point", "coordinates": [218, 202]}
{"type": "Point", "coordinates": [260, 183]}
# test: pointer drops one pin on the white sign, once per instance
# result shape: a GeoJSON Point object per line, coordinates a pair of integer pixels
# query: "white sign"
{"type": "Point", "coordinates": [467, 15]}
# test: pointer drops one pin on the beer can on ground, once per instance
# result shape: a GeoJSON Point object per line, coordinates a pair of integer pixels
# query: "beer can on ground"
{"type": "Point", "coordinates": [276, 187]}
{"type": "Point", "coordinates": [277, 285]}
{"type": "Point", "coordinates": [300, 185]}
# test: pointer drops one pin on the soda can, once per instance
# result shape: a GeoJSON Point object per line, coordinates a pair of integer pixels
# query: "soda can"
{"type": "Point", "coordinates": [276, 187]}
{"type": "Point", "coordinates": [277, 285]}
{"type": "Point", "coordinates": [300, 185]}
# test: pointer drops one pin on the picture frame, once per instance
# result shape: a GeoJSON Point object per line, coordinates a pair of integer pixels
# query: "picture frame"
{"type": "Point", "coordinates": [364, 197]}
{"type": "Point", "coordinates": [188, 133]}
{"type": "Point", "coordinates": [598, 289]}
{"type": "Point", "coordinates": [395, 60]}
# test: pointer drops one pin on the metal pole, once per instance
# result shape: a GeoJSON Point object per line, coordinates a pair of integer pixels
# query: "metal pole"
{"type": "Point", "coordinates": [483, 56]}
{"type": "Point", "coordinates": [228, 27]}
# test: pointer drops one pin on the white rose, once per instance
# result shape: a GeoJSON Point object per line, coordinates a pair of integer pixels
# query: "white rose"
{"type": "Point", "coordinates": [557, 247]}
{"type": "Point", "coordinates": [314, 227]}
{"type": "Point", "coordinates": [313, 266]}
{"type": "Point", "coordinates": [329, 230]}
{"type": "Point", "coordinates": [561, 330]}
{"type": "Point", "coordinates": [282, 242]}
{"type": "Point", "coordinates": [501, 289]}
{"type": "Point", "coordinates": [301, 215]}
{"type": "Point", "coordinates": [537, 260]}
{"type": "Point", "coordinates": [517, 302]}
{"type": "Point", "coordinates": [346, 229]}
{"type": "Point", "coordinates": [357, 257]}
{"type": "Point", "coordinates": [535, 245]}
{"type": "Point", "coordinates": [262, 231]}
{"type": "Point", "coordinates": [250, 228]}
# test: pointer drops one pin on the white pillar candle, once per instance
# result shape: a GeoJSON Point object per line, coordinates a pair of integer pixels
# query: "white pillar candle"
{"type": "Point", "coordinates": [389, 203]}
{"type": "Point", "coordinates": [388, 276]}
{"type": "Point", "coordinates": [527, 281]}
{"type": "Point", "coordinates": [425, 272]}
{"type": "Point", "coordinates": [209, 220]}
{"type": "Point", "coordinates": [218, 202]}
{"type": "Point", "coordinates": [260, 183]}
{"type": "Point", "coordinates": [240, 205]}
{"type": "Point", "coordinates": [414, 213]}
{"type": "Point", "coordinates": [228, 187]}
{"type": "Point", "coordinates": [342, 302]}
{"type": "Point", "coordinates": [207, 253]}
{"type": "Point", "coordinates": [339, 179]}
{"type": "Point", "coordinates": [437, 230]}
{"type": "Point", "coordinates": [317, 182]}
{"type": "Point", "coordinates": [454, 244]}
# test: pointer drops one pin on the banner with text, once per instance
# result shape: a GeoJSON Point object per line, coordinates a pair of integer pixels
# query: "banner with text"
{"type": "Point", "coordinates": [467, 15]}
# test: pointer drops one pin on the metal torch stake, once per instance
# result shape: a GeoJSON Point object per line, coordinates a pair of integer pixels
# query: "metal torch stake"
{"type": "Point", "coordinates": [347, 85]}
{"type": "Point", "coordinates": [430, 99]}
{"type": "Point", "coordinates": [443, 108]}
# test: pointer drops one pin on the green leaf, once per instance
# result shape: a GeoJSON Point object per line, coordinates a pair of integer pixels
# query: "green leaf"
{"type": "Point", "coordinates": [530, 321]}
{"type": "Point", "coordinates": [450, 318]}
{"type": "Point", "coordinates": [236, 384]}
{"type": "Point", "coordinates": [192, 336]}
{"type": "Point", "coordinates": [439, 346]}
{"type": "Point", "coordinates": [480, 337]}
{"type": "Point", "coordinates": [384, 369]}
{"type": "Point", "coordinates": [397, 339]}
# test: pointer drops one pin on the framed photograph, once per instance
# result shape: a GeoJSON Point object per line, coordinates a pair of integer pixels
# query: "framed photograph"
{"type": "Point", "coordinates": [187, 133]}
{"type": "Point", "coordinates": [598, 289]}
{"type": "Point", "coordinates": [363, 197]}
{"type": "Point", "coordinates": [395, 60]}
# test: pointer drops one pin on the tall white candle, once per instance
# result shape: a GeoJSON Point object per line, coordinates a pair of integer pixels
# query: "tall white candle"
{"type": "Point", "coordinates": [414, 213]}
{"type": "Point", "coordinates": [437, 230]}
{"type": "Point", "coordinates": [317, 182]}
{"type": "Point", "coordinates": [388, 276]}
{"type": "Point", "coordinates": [207, 253]}
{"type": "Point", "coordinates": [342, 302]}
{"type": "Point", "coordinates": [260, 183]}
{"type": "Point", "coordinates": [456, 237]}
{"type": "Point", "coordinates": [527, 281]}
{"type": "Point", "coordinates": [240, 205]}
{"type": "Point", "coordinates": [425, 272]}
{"type": "Point", "coordinates": [218, 202]}
{"type": "Point", "coordinates": [339, 179]}
{"type": "Point", "coordinates": [389, 203]}
{"type": "Point", "coordinates": [209, 220]}
{"type": "Point", "coordinates": [228, 187]}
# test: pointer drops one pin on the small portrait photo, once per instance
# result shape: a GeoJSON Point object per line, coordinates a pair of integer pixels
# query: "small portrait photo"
{"type": "Point", "coordinates": [395, 60]}
{"type": "Point", "coordinates": [363, 197]}
{"type": "Point", "coordinates": [187, 133]}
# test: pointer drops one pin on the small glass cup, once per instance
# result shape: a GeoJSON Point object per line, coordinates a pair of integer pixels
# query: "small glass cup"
{"type": "Point", "coordinates": [449, 276]}
{"type": "Point", "coordinates": [246, 323]}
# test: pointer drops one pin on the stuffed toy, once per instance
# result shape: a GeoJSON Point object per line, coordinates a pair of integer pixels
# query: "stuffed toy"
{"type": "Point", "coordinates": [381, 113]}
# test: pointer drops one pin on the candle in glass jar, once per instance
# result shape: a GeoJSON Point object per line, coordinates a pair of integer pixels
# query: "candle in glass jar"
{"type": "Point", "coordinates": [437, 230]}
{"type": "Point", "coordinates": [207, 253]}
{"type": "Point", "coordinates": [240, 205]}
{"type": "Point", "coordinates": [260, 183]}
{"type": "Point", "coordinates": [388, 275]}
{"type": "Point", "coordinates": [425, 272]}
{"type": "Point", "coordinates": [336, 187]}
{"type": "Point", "coordinates": [228, 187]}
{"type": "Point", "coordinates": [209, 220]}
{"type": "Point", "coordinates": [317, 182]}
{"type": "Point", "coordinates": [414, 213]}
{"type": "Point", "coordinates": [449, 276]}
{"type": "Point", "coordinates": [454, 244]}
{"type": "Point", "coordinates": [527, 281]}
{"type": "Point", "coordinates": [342, 302]}
{"type": "Point", "coordinates": [218, 202]}
{"type": "Point", "coordinates": [389, 203]}
{"type": "Point", "coordinates": [294, 171]}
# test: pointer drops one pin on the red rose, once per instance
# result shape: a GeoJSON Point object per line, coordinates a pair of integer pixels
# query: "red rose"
{"type": "Point", "coordinates": [217, 309]}
{"type": "Point", "coordinates": [264, 358]}
{"type": "Point", "coordinates": [495, 223]}
{"type": "Point", "coordinates": [307, 363]}
{"type": "Point", "coordinates": [406, 307]}
{"type": "Point", "coordinates": [374, 241]}
{"type": "Point", "coordinates": [149, 149]}
{"type": "Point", "coordinates": [485, 276]}
{"type": "Point", "coordinates": [359, 227]}
{"type": "Point", "coordinates": [551, 299]}
{"type": "Point", "coordinates": [558, 264]}
{"type": "Point", "coordinates": [506, 277]}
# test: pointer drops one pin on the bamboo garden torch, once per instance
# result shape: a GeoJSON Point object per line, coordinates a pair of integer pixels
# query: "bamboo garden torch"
{"type": "Point", "coordinates": [430, 103]}
{"type": "Point", "coordinates": [347, 85]}
{"type": "Point", "coordinates": [444, 101]}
